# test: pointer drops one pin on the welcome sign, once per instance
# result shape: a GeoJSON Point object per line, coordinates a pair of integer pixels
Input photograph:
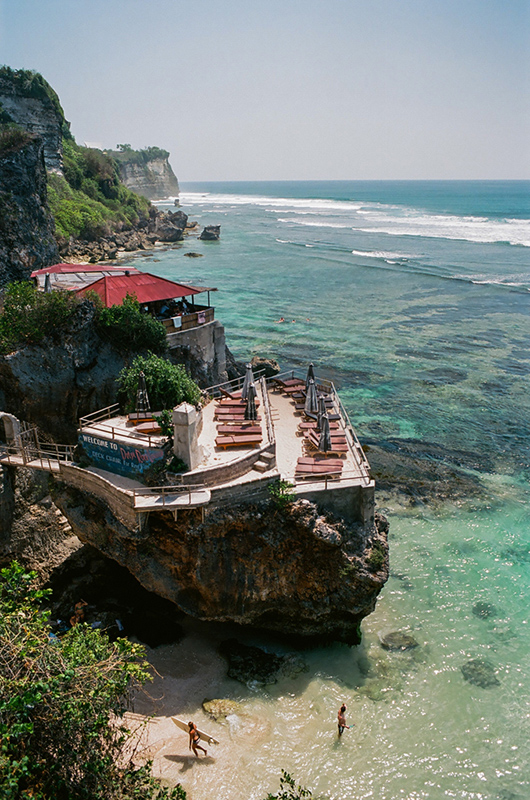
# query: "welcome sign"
{"type": "Point", "coordinates": [122, 459]}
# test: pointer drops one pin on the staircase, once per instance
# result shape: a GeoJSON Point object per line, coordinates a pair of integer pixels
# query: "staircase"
{"type": "Point", "coordinates": [266, 462]}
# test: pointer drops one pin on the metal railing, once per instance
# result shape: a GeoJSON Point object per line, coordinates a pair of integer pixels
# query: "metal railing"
{"type": "Point", "coordinates": [102, 413]}
{"type": "Point", "coordinates": [164, 491]}
{"type": "Point", "coordinates": [40, 456]}
{"type": "Point", "coordinates": [333, 478]}
{"type": "Point", "coordinates": [267, 410]}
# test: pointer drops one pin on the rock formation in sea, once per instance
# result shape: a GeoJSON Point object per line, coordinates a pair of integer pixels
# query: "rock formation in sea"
{"type": "Point", "coordinates": [27, 239]}
{"type": "Point", "coordinates": [296, 572]}
{"type": "Point", "coordinates": [211, 233]}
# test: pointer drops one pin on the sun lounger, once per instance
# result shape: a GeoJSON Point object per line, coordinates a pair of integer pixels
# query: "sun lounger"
{"type": "Point", "coordinates": [149, 427]}
{"type": "Point", "coordinates": [237, 401]}
{"type": "Point", "coordinates": [318, 468]}
{"type": "Point", "coordinates": [311, 425]}
{"type": "Point", "coordinates": [283, 383]}
{"type": "Point", "coordinates": [139, 416]}
{"type": "Point", "coordinates": [339, 445]}
{"type": "Point", "coordinates": [295, 389]}
{"type": "Point", "coordinates": [250, 440]}
{"type": "Point", "coordinates": [239, 430]}
{"type": "Point", "coordinates": [232, 395]}
{"type": "Point", "coordinates": [239, 417]}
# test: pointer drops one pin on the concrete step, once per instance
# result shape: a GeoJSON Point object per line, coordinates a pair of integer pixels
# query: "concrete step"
{"type": "Point", "coordinates": [261, 466]}
{"type": "Point", "coordinates": [270, 457]}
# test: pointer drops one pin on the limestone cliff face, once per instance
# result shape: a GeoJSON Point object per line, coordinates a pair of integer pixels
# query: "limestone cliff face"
{"type": "Point", "coordinates": [154, 180]}
{"type": "Point", "coordinates": [27, 239]}
{"type": "Point", "coordinates": [295, 572]}
{"type": "Point", "coordinates": [38, 115]}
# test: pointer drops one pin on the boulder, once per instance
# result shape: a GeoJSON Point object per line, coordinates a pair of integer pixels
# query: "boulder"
{"type": "Point", "coordinates": [480, 672]}
{"type": "Point", "coordinates": [250, 664]}
{"type": "Point", "coordinates": [270, 365]}
{"type": "Point", "coordinates": [221, 708]}
{"type": "Point", "coordinates": [484, 610]}
{"type": "Point", "coordinates": [193, 255]}
{"type": "Point", "coordinates": [211, 233]}
{"type": "Point", "coordinates": [397, 640]}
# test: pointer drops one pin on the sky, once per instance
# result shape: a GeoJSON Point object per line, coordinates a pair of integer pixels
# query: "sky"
{"type": "Point", "coordinates": [290, 90]}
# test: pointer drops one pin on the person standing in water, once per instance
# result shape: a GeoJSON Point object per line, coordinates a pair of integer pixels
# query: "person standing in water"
{"type": "Point", "coordinates": [195, 739]}
{"type": "Point", "coordinates": [341, 716]}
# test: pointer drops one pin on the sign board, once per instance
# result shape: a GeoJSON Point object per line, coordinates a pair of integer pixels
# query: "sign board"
{"type": "Point", "coordinates": [122, 459]}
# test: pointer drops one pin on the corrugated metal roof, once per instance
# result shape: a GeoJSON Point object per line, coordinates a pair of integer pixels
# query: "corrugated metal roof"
{"type": "Point", "coordinates": [63, 269]}
{"type": "Point", "coordinates": [147, 288]}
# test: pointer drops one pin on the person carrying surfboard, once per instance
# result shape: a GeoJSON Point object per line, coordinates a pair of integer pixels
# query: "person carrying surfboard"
{"type": "Point", "coordinates": [195, 739]}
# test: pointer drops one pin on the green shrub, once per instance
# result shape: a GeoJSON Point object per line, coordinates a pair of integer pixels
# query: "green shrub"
{"type": "Point", "coordinates": [167, 384]}
{"type": "Point", "coordinates": [13, 138]}
{"type": "Point", "coordinates": [61, 701]}
{"type": "Point", "coordinates": [29, 315]}
{"type": "Point", "coordinates": [376, 559]}
{"type": "Point", "coordinates": [282, 494]}
{"type": "Point", "coordinates": [29, 83]}
{"type": "Point", "coordinates": [127, 328]}
{"type": "Point", "coordinates": [125, 154]}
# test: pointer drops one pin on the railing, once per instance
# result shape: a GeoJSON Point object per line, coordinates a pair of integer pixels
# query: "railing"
{"type": "Point", "coordinates": [267, 410]}
{"type": "Point", "coordinates": [164, 491]}
{"type": "Point", "coordinates": [97, 416]}
{"type": "Point", "coordinates": [43, 454]}
{"type": "Point", "coordinates": [231, 386]}
{"type": "Point", "coordinates": [189, 321]}
{"type": "Point", "coordinates": [133, 436]}
{"type": "Point", "coordinates": [355, 447]}
{"type": "Point", "coordinates": [332, 478]}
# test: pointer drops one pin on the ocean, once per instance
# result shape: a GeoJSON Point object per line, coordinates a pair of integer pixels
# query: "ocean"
{"type": "Point", "coordinates": [414, 297]}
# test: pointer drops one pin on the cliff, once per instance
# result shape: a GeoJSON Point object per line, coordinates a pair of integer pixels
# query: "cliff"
{"type": "Point", "coordinates": [295, 572]}
{"type": "Point", "coordinates": [27, 239]}
{"type": "Point", "coordinates": [29, 101]}
{"type": "Point", "coordinates": [147, 172]}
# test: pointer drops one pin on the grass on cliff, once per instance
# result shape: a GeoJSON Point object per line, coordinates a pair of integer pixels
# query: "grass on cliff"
{"type": "Point", "coordinates": [90, 201]}
{"type": "Point", "coordinates": [29, 316]}
{"type": "Point", "coordinates": [13, 138]}
{"type": "Point", "coordinates": [28, 83]}
{"type": "Point", "coordinates": [61, 706]}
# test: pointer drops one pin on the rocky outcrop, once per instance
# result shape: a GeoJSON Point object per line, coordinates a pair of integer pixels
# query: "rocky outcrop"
{"type": "Point", "coordinates": [54, 383]}
{"type": "Point", "coordinates": [211, 233]}
{"type": "Point", "coordinates": [27, 239]}
{"type": "Point", "coordinates": [155, 179]}
{"type": "Point", "coordinates": [30, 102]}
{"type": "Point", "coordinates": [295, 572]}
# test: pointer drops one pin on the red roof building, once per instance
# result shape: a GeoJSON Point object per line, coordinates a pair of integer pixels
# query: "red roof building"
{"type": "Point", "coordinates": [147, 288]}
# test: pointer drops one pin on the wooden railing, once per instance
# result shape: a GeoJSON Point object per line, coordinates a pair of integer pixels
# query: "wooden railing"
{"type": "Point", "coordinates": [190, 320]}
{"type": "Point", "coordinates": [97, 416]}
{"type": "Point", "coordinates": [231, 386]}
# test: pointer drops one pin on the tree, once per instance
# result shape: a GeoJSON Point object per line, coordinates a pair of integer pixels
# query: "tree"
{"type": "Point", "coordinates": [289, 790]}
{"type": "Point", "coordinates": [168, 384]}
{"type": "Point", "coordinates": [61, 703]}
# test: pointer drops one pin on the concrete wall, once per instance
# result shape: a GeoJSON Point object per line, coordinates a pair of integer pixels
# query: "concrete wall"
{"type": "Point", "coordinates": [202, 350]}
{"type": "Point", "coordinates": [250, 491]}
{"type": "Point", "coordinates": [120, 503]}
{"type": "Point", "coordinates": [227, 472]}
{"type": "Point", "coordinates": [353, 503]}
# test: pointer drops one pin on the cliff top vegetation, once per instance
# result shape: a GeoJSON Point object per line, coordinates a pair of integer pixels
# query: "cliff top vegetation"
{"type": "Point", "coordinates": [13, 138]}
{"type": "Point", "coordinates": [125, 154]}
{"type": "Point", "coordinates": [28, 83]}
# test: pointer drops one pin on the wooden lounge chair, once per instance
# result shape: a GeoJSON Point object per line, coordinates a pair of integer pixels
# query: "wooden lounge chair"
{"type": "Point", "coordinates": [339, 445]}
{"type": "Point", "coordinates": [297, 388]}
{"type": "Point", "coordinates": [232, 395]}
{"type": "Point", "coordinates": [284, 382]}
{"type": "Point", "coordinates": [238, 430]}
{"type": "Point", "coordinates": [236, 401]}
{"type": "Point", "coordinates": [149, 427]}
{"type": "Point", "coordinates": [318, 468]}
{"type": "Point", "coordinates": [311, 425]}
{"type": "Point", "coordinates": [250, 440]}
{"type": "Point", "coordinates": [135, 417]}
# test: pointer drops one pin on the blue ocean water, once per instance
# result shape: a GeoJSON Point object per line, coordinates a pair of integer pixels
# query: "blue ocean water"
{"type": "Point", "coordinates": [415, 298]}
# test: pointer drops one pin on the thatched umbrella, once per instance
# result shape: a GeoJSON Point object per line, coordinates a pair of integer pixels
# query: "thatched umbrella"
{"type": "Point", "coordinates": [251, 411]}
{"type": "Point", "coordinates": [310, 375]}
{"type": "Point", "coordinates": [321, 411]}
{"type": "Point", "coordinates": [324, 443]}
{"type": "Point", "coordinates": [311, 399]}
{"type": "Point", "coordinates": [249, 378]}
{"type": "Point", "coordinates": [142, 400]}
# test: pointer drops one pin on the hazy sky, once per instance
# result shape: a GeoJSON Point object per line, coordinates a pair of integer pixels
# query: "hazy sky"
{"type": "Point", "coordinates": [297, 89]}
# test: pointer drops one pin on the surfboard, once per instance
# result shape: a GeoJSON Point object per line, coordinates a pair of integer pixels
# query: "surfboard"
{"type": "Point", "coordinates": [185, 727]}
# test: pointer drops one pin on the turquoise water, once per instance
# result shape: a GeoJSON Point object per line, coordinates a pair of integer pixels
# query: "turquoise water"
{"type": "Point", "coordinates": [415, 298]}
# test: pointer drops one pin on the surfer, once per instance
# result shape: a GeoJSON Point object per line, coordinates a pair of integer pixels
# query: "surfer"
{"type": "Point", "coordinates": [341, 716]}
{"type": "Point", "coordinates": [195, 739]}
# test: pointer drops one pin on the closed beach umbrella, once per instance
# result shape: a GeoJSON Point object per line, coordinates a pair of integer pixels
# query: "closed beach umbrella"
{"type": "Point", "coordinates": [310, 375]}
{"type": "Point", "coordinates": [250, 408]}
{"type": "Point", "coordinates": [249, 378]}
{"type": "Point", "coordinates": [142, 400]}
{"type": "Point", "coordinates": [321, 412]}
{"type": "Point", "coordinates": [47, 283]}
{"type": "Point", "coordinates": [324, 443]}
{"type": "Point", "coordinates": [311, 399]}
